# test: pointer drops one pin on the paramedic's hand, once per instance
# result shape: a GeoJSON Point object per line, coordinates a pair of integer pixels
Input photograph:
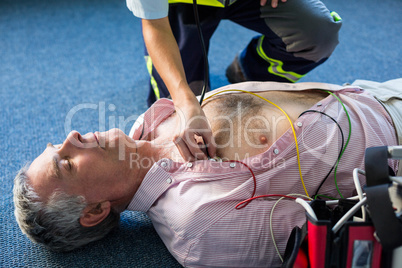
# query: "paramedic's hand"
{"type": "Point", "coordinates": [165, 55]}
{"type": "Point", "coordinates": [274, 3]}
{"type": "Point", "coordinates": [193, 125]}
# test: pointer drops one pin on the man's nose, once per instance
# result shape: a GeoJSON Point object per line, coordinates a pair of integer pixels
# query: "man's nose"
{"type": "Point", "coordinates": [74, 138]}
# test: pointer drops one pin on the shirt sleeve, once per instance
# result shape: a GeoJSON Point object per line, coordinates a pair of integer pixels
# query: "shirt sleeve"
{"type": "Point", "coordinates": [148, 9]}
{"type": "Point", "coordinates": [151, 119]}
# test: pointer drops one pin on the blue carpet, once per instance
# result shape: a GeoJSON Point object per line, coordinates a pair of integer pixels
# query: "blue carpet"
{"type": "Point", "coordinates": [57, 57]}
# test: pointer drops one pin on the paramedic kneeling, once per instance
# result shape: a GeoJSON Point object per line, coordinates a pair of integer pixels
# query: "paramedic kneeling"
{"type": "Point", "coordinates": [73, 193]}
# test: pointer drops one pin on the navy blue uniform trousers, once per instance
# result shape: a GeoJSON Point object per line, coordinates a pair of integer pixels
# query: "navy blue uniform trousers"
{"type": "Point", "coordinates": [296, 37]}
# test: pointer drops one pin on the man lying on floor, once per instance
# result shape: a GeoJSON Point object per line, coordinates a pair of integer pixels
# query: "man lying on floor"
{"type": "Point", "coordinates": [73, 193]}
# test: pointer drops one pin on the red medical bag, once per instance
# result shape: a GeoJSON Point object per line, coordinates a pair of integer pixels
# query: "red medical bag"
{"type": "Point", "coordinates": [331, 239]}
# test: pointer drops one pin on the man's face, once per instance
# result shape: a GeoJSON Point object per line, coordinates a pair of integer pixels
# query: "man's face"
{"type": "Point", "coordinates": [85, 165]}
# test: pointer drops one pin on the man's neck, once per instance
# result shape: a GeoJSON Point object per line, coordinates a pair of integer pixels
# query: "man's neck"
{"type": "Point", "coordinates": [141, 158]}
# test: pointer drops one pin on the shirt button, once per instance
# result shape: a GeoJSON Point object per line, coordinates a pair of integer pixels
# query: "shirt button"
{"type": "Point", "coordinates": [164, 164]}
{"type": "Point", "coordinates": [276, 151]}
{"type": "Point", "coordinates": [232, 165]}
{"type": "Point", "coordinates": [299, 124]}
{"type": "Point", "coordinates": [169, 180]}
{"type": "Point", "coordinates": [189, 164]}
{"type": "Point", "coordinates": [319, 104]}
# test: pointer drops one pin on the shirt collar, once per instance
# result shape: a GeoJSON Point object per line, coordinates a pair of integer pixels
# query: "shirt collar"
{"type": "Point", "coordinates": [155, 183]}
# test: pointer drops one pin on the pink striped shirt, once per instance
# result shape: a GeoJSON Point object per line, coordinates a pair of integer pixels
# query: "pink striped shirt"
{"type": "Point", "coordinates": [192, 205]}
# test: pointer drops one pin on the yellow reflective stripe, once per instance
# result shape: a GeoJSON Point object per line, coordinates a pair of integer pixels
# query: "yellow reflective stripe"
{"type": "Point", "coordinates": [154, 85]}
{"type": "Point", "coordinates": [275, 66]}
{"type": "Point", "coordinates": [212, 3]}
{"type": "Point", "coordinates": [336, 16]}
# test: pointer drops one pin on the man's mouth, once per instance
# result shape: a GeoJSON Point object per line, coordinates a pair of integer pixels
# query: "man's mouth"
{"type": "Point", "coordinates": [96, 138]}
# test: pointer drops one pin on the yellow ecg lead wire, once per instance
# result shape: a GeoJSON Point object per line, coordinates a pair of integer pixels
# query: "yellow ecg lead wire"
{"type": "Point", "coordinates": [290, 121]}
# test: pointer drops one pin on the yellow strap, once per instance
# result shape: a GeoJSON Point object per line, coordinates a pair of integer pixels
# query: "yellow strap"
{"type": "Point", "coordinates": [212, 3]}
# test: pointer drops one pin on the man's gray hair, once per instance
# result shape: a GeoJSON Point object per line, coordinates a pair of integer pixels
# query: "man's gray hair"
{"type": "Point", "coordinates": [55, 224]}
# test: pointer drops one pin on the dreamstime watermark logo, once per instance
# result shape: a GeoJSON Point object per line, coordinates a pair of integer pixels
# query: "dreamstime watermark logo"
{"type": "Point", "coordinates": [108, 127]}
{"type": "Point", "coordinates": [243, 133]}
{"type": "Point", "coordinates": [100, 108]}
{"type": "Point", "coordinates": [264, 163]}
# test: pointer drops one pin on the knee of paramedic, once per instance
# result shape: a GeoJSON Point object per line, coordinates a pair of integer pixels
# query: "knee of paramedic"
{"type": "Point", "coordinates": [307, 28]}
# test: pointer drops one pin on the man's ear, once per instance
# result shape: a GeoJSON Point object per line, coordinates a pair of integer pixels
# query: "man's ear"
{"type": "Point", "coordinates": [94, 214]}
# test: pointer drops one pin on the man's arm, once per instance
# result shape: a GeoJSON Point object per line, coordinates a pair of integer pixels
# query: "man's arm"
{"type": "Point", "coordinates": [165, 55]}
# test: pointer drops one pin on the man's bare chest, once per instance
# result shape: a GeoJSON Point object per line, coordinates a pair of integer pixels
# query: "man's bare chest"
{"type": "Point", "coordinates": [245, 125]}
